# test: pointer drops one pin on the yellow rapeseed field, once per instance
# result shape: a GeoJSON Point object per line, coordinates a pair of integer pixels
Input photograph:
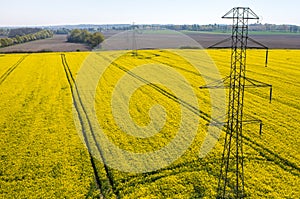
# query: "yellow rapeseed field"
{"type": "Point", "coordinates": [43, 156]}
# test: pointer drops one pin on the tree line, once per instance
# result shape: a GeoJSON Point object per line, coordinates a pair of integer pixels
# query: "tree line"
{"type": "Point", "coordinates": [227, 28]}
{"type": "Point", "coordinates": [42, 34]}
{"type": "Point", "coordinates": [22, 31]}
{"type": "Point", "coordinates": [211, 27]}
{"type": "Point", "coordinates": [4, 32]}
{"type": "Point", "coordinates": [84, 36]}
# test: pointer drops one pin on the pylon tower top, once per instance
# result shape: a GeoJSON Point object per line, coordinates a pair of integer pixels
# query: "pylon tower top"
{"type": "Point", "coordinates": [240, 12]}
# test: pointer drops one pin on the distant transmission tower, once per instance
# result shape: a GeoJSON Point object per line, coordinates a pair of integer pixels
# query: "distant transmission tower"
{"type": "Point", "coordinates": [134, 46]}
{"type": "Point", "coordinates": [231, 178]}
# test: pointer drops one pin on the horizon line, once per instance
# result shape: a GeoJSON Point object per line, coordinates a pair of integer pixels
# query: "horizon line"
{"type": "Point", "coordinates": [127, 24]}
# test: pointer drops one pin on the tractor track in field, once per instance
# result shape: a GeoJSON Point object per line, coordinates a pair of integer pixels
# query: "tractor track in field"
{"type": "Point", "coordinates": [82, 115]}
{"type": "Point", "coordinates": [284, 163]}
{"type": "Point", "coordinates": [12, 68]}
{"type": "Point", "coordinates": [174, 66]}
{"type": "Point", "coordinates": [169, 95]}
{"type": "Point", "coordinates": [263, 151]}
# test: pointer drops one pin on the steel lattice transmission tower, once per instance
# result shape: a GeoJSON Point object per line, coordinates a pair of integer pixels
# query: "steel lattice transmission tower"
{"type": "Point", "coordinates": [134, 45]}
{"type": "Point", "coordinates": [231, 178]}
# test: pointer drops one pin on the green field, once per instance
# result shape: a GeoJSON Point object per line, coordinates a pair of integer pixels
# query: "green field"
{"type": "Point", "coordinates": [43, 156]}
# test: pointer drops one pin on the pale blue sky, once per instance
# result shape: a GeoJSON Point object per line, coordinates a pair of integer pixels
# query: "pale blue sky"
{"type": "Point", "coordinates": [59, 12]}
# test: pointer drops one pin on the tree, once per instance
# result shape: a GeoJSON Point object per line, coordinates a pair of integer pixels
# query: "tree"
{"type": "Point", "coordinates": [96, 39]}
{"type": "Point", "coordinates": [74, 36]}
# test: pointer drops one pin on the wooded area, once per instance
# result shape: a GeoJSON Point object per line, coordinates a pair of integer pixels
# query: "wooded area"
{"type": "Point", "coordinates": [84, 36]}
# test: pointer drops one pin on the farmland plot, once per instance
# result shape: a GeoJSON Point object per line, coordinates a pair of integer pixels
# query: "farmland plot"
{"type": "Point", "coordinates": [42, 155]}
